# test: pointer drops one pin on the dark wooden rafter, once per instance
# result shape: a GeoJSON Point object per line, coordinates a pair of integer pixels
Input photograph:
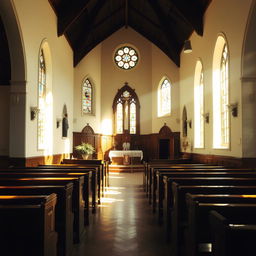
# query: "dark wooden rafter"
{"type": "Point", "coordinates": [171, 54]}
{"type": "Point", "coordinates": [165, 25]}
{"type": "Point", "coordinates": [144, 17]}
{"type": "Point", "coordinates": [68, 14]}
{"type": "Point", "coordinates": [126, 13]}
{"type": "Point", "coordinates": [79, 54]}
{"type": "Point", "coordinates": [191, 12]}
{"type": "Point", "coordinates": [88, 25]}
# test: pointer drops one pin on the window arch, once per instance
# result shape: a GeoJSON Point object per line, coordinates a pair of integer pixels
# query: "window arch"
{"type": "Point", "coordinates": [126, 111]}
{"type": "Point", "coordinates": [221, 128]}
{"type": "Point", "coordinates": [42, 101]}
{"type": "Point", "coordinates": [199, 106]}
{"type": "Point", "coordinates": [87, 97]}
{"type": "Point", "coordinates": [164, 98]}
{"type": "Point", "coordinates": [44, 95]}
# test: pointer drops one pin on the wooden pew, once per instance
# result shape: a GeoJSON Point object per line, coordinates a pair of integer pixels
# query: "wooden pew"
{"type": "Point", "coordinates": [154, 169]}
{"type": "Point", "coordinates": [77, 196]}
{"type": "Point", "coordinates": [103, 166]}
{"type": "Point", "coordinates": [168, 199]}
{"type": "Point", "coordinates": [179, 210]}
{"type": "Point", "coordinates": [63, 215]}
{"type": "Point", "coordinates": [27, 225]}
{"type": "Point", "coordinates": [159, 190]}
{"type": "Point", "coordinates": [198, 238]}
{"type": "Point", "coordinates": [234, 234]}
{"type": "Point", "coordinates": [95, 178]}
{"type": "Point", "coordinates": [86, 184]}
{"type": "Point", "coordinates": [152, 162]}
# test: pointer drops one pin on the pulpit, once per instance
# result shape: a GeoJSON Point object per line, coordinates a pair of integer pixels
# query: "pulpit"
{"type": "Point", "coordinates": [126, 157]}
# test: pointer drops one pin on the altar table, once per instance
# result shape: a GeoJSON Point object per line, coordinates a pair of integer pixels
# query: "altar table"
{"type": "Point", "coordinates": [126, 156]}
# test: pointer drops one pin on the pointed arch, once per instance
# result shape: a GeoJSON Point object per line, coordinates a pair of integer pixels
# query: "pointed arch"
{"type": "Point", "coordinates": [221, 128]}
{"type": "Point", "coordinates": [88, 96]}
{"type": "Point", "coordinates": [44, 121]}
{"type": "Point", "coordinates": [164, 97]}
{"type": "Point", "coordinates": [126, 109]}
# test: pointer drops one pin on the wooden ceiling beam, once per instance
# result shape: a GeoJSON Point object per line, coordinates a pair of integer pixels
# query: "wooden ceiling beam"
{"type": "Point", "coordinates": [79, 54]}
{"type": "Point", "coordinates": [165, 25]}
{"type": "Point", "coordinates": [89, 24]}
{"type": "Point", "coordinates": [191, 12]}
{"type": "Point", "coordinates": [68, 13]}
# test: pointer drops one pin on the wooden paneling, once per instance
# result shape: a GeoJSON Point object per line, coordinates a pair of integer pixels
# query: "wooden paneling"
{"type": "Point", "coordinates": [228, 161]}
{"type": "Point", "coordinates": [148, 143]}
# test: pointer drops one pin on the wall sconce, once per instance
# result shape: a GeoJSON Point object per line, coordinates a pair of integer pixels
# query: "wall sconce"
{"type": "Point", "coordinates": [233, 108]}
{"type": "Point", "coordinates": [189, 122]}
{"type": "Point", "coordinates": [33, 112]}
{"type": "Point", "coordinates": [187, 47]}
{"type": "Point", "coordinates": [58, 122]}
{"type": "Point", "coordinates": [206, 117]}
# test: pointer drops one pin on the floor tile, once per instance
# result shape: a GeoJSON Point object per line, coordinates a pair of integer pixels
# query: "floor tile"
{"type": "Point", "coordinates": [124, 224]}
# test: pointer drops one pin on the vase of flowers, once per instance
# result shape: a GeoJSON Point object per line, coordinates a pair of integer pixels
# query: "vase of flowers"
{"type": "Point", "coordinates": [85, 149]}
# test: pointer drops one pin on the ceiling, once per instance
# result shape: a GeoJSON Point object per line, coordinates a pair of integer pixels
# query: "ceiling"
{"type": "Point", "coordinates": [166, 23]}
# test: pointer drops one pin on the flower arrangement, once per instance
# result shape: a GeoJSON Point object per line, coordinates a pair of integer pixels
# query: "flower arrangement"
{"type": "Point", "coordinates": [85, 149]}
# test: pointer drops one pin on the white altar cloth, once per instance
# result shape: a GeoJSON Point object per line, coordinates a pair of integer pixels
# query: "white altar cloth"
{"type": "Point", "coordinates": [122, 153]}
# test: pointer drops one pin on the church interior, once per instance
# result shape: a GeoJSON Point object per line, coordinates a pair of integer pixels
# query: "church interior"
{"type": "Point", "coordinates": [128, 127]}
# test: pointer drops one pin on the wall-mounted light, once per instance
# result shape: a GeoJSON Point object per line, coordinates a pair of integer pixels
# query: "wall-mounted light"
{"type": "Point", "coordinates": [206, 117]}
{"type": "Point", "coordinates": [33, 112]}
{"type": "Point", "coordinates": [233, 107]}
{"type": "Point", "coordinates": [189, 122]}
{"type": "Point", "coordinates": [187, 47]}
{"type": "Point", "coordinates": [58, 122]}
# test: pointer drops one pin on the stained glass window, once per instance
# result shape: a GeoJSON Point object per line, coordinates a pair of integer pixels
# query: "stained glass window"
{"type": "Point", "coordinates": [126, 57]}
{"type": "Point", "coordinates": [224, 97]}
{"type": "Point", "coordinates": [41, 101]}
{"type": "Point", "coordinates": [164, 98]}
{"type": "Point", "coordinates": [126, 110]}
{"type": "Point", "coordinates": [87, 97]}
{"type": "Point", "coordinates": [133, 117]}
{"type": "Point", "coordinates": [119, 117]}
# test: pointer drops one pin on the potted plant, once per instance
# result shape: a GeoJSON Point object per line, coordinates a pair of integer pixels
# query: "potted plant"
{"type": "Point", "coordinates": [85, 149]}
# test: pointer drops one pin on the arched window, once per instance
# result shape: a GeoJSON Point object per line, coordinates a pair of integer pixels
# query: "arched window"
{"type": "Point", "coordinates": [199, 106]}
{"type": "Point", "coordinates": [87, 97]}
{"type": "Point", "coordinates": [126, 111]}
{"type": "Point", "coordinates": [164, 98]}
{"type": "Point", "coordinates": [221, 129]}
{"type": "Point", "coordinates": [42, 101]}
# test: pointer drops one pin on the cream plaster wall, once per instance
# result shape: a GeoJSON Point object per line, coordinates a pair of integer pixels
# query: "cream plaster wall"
{"type": "Point", "coordinates": [162, 66]}
{"type": "Point", "coordinates": [231, 20]}
{"type": "Point", "coordinates": [36, 28]}
{"type": "Point", "coordinates": [138, 78]}
{"type": "Point", "coordinates": [4, 124]}
{"type": "Point", "coordinates": [90, 67]}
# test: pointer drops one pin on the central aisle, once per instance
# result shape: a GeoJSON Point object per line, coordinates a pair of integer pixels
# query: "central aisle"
{"type": "Point", "coordinates": [124, 224]}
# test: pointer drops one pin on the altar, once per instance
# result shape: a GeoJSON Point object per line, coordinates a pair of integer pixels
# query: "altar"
{"type": "Point", "coordinates": [126, 157]}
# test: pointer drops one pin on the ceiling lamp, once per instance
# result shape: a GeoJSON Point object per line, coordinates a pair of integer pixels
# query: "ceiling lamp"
{"type": "Point", "coordinates": [187, 47]}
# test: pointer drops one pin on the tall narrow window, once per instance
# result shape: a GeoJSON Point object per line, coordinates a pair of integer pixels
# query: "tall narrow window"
{"type": "Point", "coordinates": [224, 97]}
{"type": "Point", "coordinates": [133, 117]}
{"type": "Point", "coordinates": [86, 97]}
{"type": "Point", "coordinates": [221, 94]}
{"type": "Point", "coordinates": [119, 118]}
{"type": "Point", "coordinates": [199, 106]}
{"type": "Point", "coordinates": [126, 111]}
{"type": "Point", "coordinates": [42, 101]}
{"type": "Point", "coordinates": [164, 98]}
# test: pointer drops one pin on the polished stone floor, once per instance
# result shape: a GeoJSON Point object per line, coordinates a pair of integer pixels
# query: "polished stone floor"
{"type": "Point", "coordinates": [124, 224]}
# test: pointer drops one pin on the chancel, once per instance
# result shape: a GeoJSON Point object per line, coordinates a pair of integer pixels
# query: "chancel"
{"type": "Point", "coordinates": [172, 135]}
